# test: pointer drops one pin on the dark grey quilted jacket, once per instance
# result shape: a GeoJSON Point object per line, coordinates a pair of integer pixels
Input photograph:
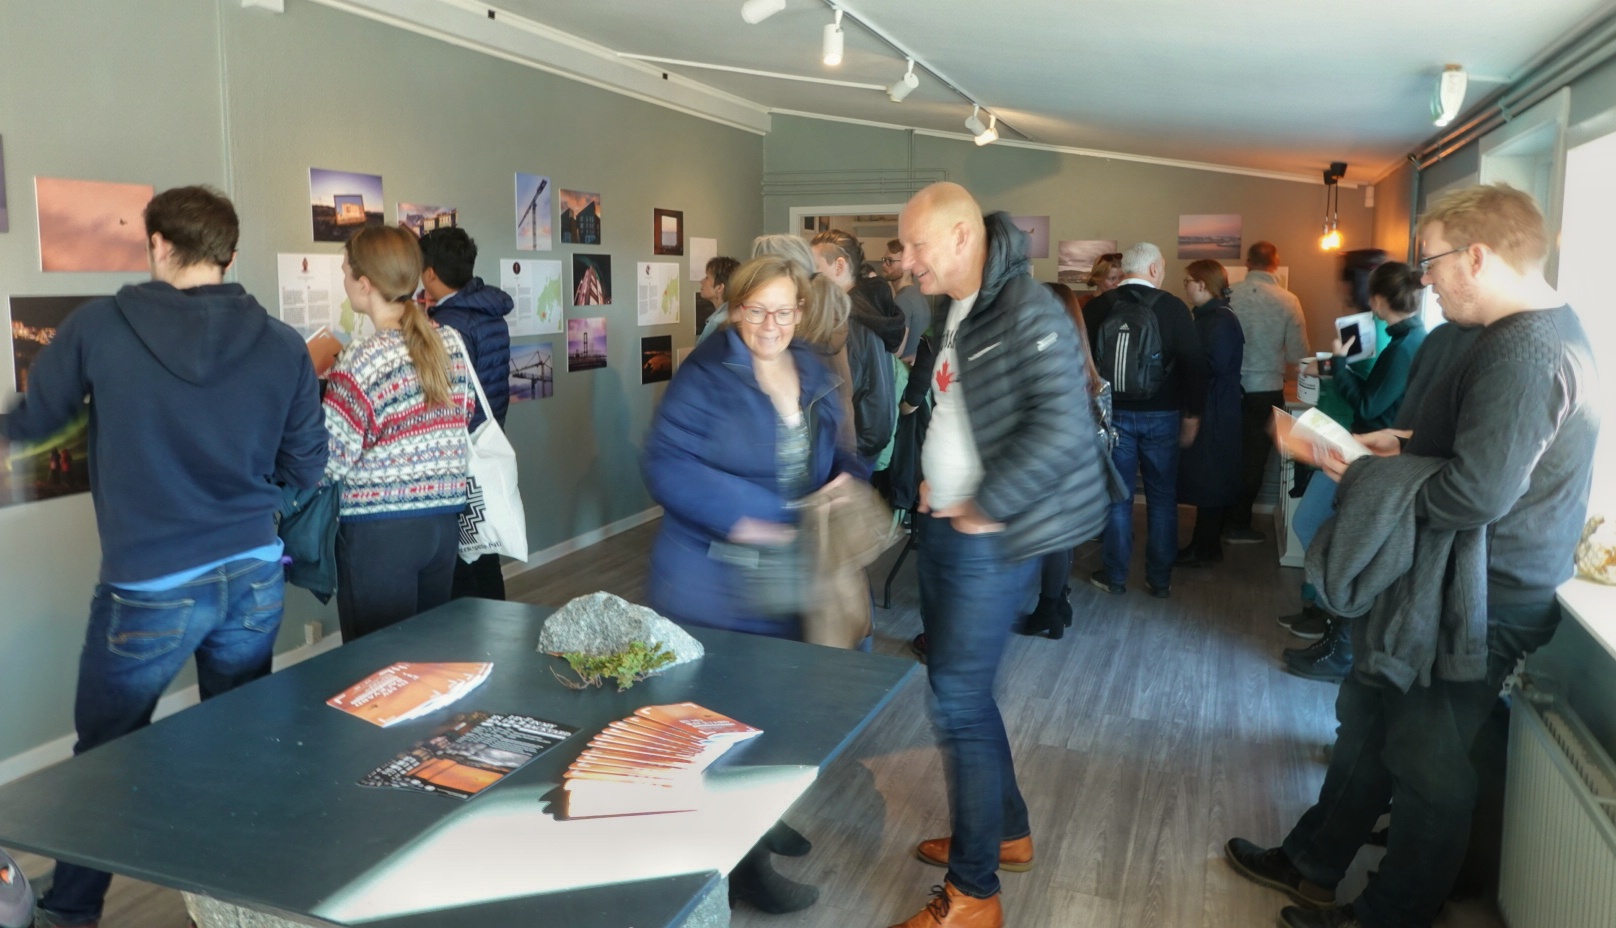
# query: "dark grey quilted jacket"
{"type": "Point", "coordinates": [1029, 406]}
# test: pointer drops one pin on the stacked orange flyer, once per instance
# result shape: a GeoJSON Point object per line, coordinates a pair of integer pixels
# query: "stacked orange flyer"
{"type": "Point", "coordinates": [403, 691]}
{"type": "Point", "coordinates": [651, 761]}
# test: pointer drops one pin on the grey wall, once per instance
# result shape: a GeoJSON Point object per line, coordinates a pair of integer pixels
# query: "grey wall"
{"type": "Point", "coordinates": [818, 162]}
{"type": "Point", "coordinates": [249, 101]}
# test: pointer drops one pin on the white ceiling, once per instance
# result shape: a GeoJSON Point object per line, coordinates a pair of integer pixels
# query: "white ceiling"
{"type": "Point", "coordinates": [1281, 85]}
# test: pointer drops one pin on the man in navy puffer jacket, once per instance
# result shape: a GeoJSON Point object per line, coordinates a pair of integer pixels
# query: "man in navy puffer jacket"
{"type": "Point", "coordinates": [463, 303]}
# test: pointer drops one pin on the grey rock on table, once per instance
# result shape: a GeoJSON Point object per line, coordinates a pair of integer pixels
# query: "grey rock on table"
{"type": "Point", "coordinates": [600, 624]}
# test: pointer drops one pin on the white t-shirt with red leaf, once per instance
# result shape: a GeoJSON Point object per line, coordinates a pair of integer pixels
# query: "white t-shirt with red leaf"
{"type": "Point", "coordinates": [952, 466]}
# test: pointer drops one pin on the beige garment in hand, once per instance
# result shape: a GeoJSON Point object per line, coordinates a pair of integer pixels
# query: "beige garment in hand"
{"type": "Point", "coordinates": [844, 529]}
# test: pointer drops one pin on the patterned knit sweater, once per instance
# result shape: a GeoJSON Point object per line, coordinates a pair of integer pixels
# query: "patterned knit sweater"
{"type": "Point", "coordinates": [396, 457]}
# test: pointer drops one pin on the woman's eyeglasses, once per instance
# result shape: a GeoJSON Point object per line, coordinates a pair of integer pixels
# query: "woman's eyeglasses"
{"type": "Point", "coordinates": [785, 315]}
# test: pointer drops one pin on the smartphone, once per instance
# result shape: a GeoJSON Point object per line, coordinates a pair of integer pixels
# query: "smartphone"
{"type": "Point", "coordinates": [1357, 333]}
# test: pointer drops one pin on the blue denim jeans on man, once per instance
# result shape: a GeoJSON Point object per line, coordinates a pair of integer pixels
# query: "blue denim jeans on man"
{"type": "Point", "coordinates": [1148, 442]}
{"type": "Point", "coordinates": [135, 646]}
{"type": "Point", "coordinates": [1410, 752]}
{"type": "Point", "coordinates": [970, 597]}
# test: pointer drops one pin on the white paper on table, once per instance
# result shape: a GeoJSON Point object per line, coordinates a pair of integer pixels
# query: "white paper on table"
{"type": "Point", "coordinates": [658, 292]}
{"type": "Point", "coordinates": [468, 857]}
{"type": "Point", "coordinates": [311, 293]}
{"type": "Point", "coordinates": [700, 251]}
{"type": "Point", "coordinates": [535, 286]}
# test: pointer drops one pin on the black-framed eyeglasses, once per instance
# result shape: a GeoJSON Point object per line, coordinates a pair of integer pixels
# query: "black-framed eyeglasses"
{"type": "Point", "coordinates": [783, 316]}
{"type": "Point", "coordinates": [1424, 264]}
{"type": "Point", "coordinates": [889, 260]}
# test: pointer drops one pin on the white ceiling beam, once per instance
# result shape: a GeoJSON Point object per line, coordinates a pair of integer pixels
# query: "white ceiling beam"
{"type": "Point", "coordinates": [487, 28]}
{"type": "Point", "coordinates": [1314, 179]}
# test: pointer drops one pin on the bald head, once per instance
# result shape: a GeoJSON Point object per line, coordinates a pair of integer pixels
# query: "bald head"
{"type": "Point", "coordinates": [944, 240]}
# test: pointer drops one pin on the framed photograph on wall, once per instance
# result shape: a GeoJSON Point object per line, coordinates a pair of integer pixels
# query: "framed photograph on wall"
{"type": "Point", "coordinates": [667, 232]}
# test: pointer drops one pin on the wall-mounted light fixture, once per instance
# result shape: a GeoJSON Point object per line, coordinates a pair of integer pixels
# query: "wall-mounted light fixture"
{"type": "Point", "coordinates": [1331, 239]}
{"type": "Point", "coordinates": [1448, 97]}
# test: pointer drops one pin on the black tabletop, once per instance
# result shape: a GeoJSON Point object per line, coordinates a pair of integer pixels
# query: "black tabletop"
{"type": "Point", "coordinates": [252, 797]}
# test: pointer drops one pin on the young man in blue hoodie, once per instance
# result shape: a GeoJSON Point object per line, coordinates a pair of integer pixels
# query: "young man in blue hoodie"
{"type": "Point", "coordinates": [464, 303]}
{"type": "Point", "coordinates": [199, 403]}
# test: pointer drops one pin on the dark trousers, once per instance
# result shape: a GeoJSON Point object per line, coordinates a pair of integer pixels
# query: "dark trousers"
{"type": "Point", "coordinates": [970, 597]}
{"type": "Point", "coordinates": [1207, 539]}
{"type": "Point", "coordinates": [391, 569]}
{"type": "Point", "coordinates": [1054, 573]}
{"type": "Point", "coordinates": [482, 578]}
{"type": "Point", "coordinates": [1256, 412]}
{"type": "Point", "coordinates": [1147, 444]}
{"type": "Point", "coordinates": [135, 644]}
{"type": "Point", "coordinates": [1411, 751]}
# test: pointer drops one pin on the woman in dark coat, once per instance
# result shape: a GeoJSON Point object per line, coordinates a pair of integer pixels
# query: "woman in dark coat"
{"type": "Point", "coordinates": [1209, 468]}
{"type": "Point", "coordinates": [748, 426]}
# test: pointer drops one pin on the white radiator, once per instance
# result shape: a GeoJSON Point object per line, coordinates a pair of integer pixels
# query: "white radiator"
{"type": "Point", "coordinates": [1559, 855]}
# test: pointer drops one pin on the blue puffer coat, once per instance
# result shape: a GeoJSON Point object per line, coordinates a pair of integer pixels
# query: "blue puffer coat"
{"type": "Point", "coordinates": [710, 459]}
{"type": "Point", "coordinates": [478, 313]}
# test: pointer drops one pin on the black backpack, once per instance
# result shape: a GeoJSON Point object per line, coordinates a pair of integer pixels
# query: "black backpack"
{"type": "Point", "coordinates": [1129, 350]}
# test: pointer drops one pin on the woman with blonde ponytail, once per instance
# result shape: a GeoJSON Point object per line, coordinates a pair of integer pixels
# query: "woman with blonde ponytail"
{"type": "Point", "coordinates": [396, 407]}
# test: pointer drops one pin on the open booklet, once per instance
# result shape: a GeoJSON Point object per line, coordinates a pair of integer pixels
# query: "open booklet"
{"type": "Point", "coordinates": [1313, 436]}
{"type": "Point", "coordinates": [472, 752]}
{"type": "Point", "coordinates": [403, 691]}
{"type": "Point", "coordinates": [651, 761]}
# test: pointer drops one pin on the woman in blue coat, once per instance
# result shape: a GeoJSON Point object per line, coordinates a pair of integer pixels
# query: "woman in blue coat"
{"type": "Point", "coordinates": [748, 426]}
{"type": "Point", "coordinates": [1209, 469]}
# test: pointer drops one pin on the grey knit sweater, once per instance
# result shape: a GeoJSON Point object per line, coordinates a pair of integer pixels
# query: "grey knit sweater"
{"type": "Point", "coordinates": [1424, 587]}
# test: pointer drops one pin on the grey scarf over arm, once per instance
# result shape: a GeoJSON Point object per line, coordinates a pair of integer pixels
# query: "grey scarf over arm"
{"type": "Point", "coordinates": [1423, 592]}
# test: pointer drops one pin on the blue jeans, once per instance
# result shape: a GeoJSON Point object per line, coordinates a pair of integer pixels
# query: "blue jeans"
{"type": "Point", "coordinates": [970, 597]}
{"type": "Point", "coordinates": [135, 646]}
{"type": "Point", "coordinates": [1317, 505]}
{"type": "Point", "coordinates": [1411, 752]}
{"type": "Point", "coordinates": [1148, 442]}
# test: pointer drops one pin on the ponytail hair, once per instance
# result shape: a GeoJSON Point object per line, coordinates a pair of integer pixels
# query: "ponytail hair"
{"type": "Point", "coordinates": [1399, 284]}
{"type": "Point", "coordinates": [390, 257]}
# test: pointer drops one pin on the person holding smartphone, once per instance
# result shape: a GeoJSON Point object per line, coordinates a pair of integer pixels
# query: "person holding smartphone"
{"type": "Point", "coordinates": [1394, 297]}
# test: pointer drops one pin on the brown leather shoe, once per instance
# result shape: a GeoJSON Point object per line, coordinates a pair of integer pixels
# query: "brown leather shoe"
{"type": "Point", "coordinates": [950, 908]}
{"type": "Point", "coordinates": [1015, 855]}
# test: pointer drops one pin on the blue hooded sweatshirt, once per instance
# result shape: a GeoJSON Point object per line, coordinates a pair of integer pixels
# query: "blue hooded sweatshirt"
{"type": "Point", "coordinates": [199, 404]}
{"type": "Point", "coordinates": [478, 313]}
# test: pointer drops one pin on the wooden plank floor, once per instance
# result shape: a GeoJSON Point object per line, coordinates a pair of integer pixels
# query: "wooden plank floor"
{"type": "Point", "coordinates": [1144, 739]}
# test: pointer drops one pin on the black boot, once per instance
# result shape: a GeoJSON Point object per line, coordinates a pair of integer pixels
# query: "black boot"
{"type": "Point", "coordinates": [1042, 620]}
{"type": "Point", "coordinates": [786, 841]}
{"type": "Point", "coordinates": [1329, 659]}
{"type": "Point", "coordinates": [755, 882]}
{"type": "Point", "coordinates": [1063, 607]}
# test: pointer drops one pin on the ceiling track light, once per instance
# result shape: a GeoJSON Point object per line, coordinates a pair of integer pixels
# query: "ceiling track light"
{"type": "Point", "coordinates": [1448, 97]}
{"type": "Point", "coordinates": [991, 134]}
{"type": "Point", "coordinates": [832, 45]}
{"type": "Point", "coordinates": [756, 11]}
{"type": "Point", "coordinates": [973, 122]}
{"type": "Point", "coordinates": [905, 84]}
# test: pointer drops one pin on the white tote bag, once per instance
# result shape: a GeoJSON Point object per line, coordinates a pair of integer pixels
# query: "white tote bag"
{"type": "Point", "coordinates": [494, 521]}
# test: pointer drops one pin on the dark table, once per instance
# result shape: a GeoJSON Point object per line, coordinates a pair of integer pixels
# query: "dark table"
{"type": "Point", "coordinates": [252, 797]}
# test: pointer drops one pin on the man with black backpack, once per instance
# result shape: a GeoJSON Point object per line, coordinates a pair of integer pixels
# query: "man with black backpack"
{"type": "Point", "coordinates": [1145, 343]}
